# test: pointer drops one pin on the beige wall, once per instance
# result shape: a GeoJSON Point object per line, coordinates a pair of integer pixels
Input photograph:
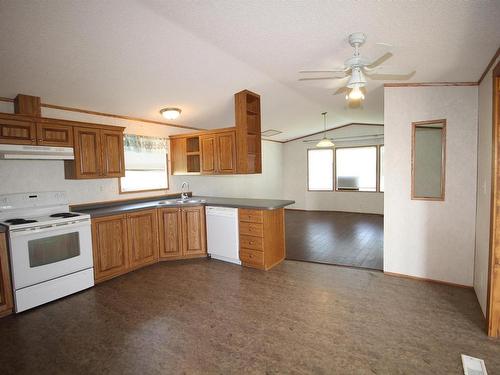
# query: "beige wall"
{"type": "Point", "coordinates": [481, 258]}
{"type": "Point", "coordinates": [295, 175]}
{"type": "Point", "coordinates": [43, 175]}
{"type": "Point", "coordinates": [431, 239]}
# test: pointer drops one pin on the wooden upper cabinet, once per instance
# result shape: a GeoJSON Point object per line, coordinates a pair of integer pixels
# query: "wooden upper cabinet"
{"type": "Point", "coordinates": [87, 145]}
{"type": "Point", "coordinates": [193, 231]}
{"type": "Point", "coordinates": [226, 152]}
{"type": "Point", "coordinates": [109, 246]}
{"type": "Point", "coordinates": [142, 237]}
{"type": "Point", "coordinates": [48, 134]}
{"type": "Point", "coordinates": [18, 132]}
{"type": "Point", "coordinates": [178, 156]}
{"type": "Point", "coordinates": [218, 153]}
{"type": "Point", "coordinates": [208, 154]}
{"type": "Point", "coordinates": [112, 153]}
{"type": "Point", "coordinates": [170, 232]}
{"type": "Point", "coordinates": [99, 153]}
{"type": "Point", "coordinates": [6, 301]}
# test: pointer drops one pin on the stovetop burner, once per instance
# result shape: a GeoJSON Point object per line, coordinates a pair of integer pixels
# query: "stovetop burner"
{"type": "Point", "coordinates": [64, 214]}
{"type": "Point", "coordinates": [20, 221]}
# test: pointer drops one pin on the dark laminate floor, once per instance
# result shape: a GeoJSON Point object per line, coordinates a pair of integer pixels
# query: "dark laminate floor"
{"type": "Point", "coordinates": [347, 239]}
{"type": "Point", "coordinates": [217, 318]}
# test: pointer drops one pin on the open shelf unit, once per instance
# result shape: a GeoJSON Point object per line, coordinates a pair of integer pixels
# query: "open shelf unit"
{"type": "Point", "coordinates": [248, 130]}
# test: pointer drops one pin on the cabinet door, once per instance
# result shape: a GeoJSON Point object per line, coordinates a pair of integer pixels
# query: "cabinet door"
{"type": "Point", "coordinates": [112, 153]}
{"type": "Point", "coordinates": [87, 144]}
{"type": "Point", "coordinates": [193, 231]}
{"type": "Point", "coordinates": [17, 132]}
{"type": "Point", "coordinates": [142, 237]}
{"type": "Point", "coordinates": [48, 134]}
{"type": "Point", "coordinates": [109, 240]}
{"type": "Point", "coordinates": [208, 159]}
{"type": "Point", "coordinates": [170, 232]}
{"type": "Point", "coordinates": [6, 303]}
{"type": "Point", "coordinates": [226, 152]}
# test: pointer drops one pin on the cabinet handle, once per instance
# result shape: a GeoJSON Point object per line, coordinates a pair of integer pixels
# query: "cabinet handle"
{"type": "Point", "coordinates": [251, 242]}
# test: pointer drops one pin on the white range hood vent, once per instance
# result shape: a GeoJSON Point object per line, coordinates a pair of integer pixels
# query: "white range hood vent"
{"type": "Point", "coordinates": [12, 152]}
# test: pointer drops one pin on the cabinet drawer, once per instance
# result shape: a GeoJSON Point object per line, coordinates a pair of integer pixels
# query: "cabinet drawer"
{"type": "Point", "coordinates": [251, 242]}
{"type": "Point", "coordinates": [251, 229]}
{"type": "Point", "coordinates": [252, 256]}
{"type": "Point", "coordinates": [253, 216]}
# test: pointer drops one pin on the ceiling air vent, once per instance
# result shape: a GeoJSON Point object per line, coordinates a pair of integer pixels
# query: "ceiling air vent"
{"type": "Point", "coordinates": [270, 133]}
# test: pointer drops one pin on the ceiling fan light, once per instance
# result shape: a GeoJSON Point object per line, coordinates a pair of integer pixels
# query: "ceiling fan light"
{"type": "Point", "coordinates": [355, 94]}
{"type": "Point", "coordinates": [325, 142]}
{"type": "Point", "coordinates": [170, 113]}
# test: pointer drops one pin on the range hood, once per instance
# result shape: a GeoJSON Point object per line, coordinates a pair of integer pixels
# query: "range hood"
{"type": "Point", "coordinates": [24, 152]}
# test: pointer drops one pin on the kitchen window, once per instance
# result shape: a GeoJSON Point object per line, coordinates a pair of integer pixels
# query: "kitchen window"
{"type": "Point", "coordinates": [146, 166]}
{"type": "Point", "coordinates": [356, 168]}
{"type": "Point", "coordinates": [320, 170]}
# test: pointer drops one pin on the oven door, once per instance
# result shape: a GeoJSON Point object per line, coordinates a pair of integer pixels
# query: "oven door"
{"type": "Point", "coordinates": [47, 252]}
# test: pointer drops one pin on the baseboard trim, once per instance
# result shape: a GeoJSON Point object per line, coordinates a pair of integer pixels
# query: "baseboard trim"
{"type": "Point", "coordinates": [427, 280]}
{"type": "Point", "coordinates": [342, 212]}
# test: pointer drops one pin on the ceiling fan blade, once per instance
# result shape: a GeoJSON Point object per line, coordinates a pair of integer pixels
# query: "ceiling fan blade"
{"type": "Point", "coordinates": [387, 76]}
{"type": "Point", "coordinates": [312, 140]}
{"type": "Point", "coordinates": [341, 90]}
{"type": "Point", "coordinates": [339, 70]}
{"type": "Point", "coordinates": [386, 56]}
{"type": "Point", "coordinates": [318, 78]}
{"type": "Point", "coordinates": [384, 44]}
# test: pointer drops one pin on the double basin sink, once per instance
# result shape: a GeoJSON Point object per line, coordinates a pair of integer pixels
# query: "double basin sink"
{"type": "Point", "coordinates": [175, 202]}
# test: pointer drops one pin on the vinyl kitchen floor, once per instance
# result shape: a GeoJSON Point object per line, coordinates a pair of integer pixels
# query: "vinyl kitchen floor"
{"type": "Point", "coordinates": [210, 317]}
{"type": "Point", "coordinates": [348, 239]}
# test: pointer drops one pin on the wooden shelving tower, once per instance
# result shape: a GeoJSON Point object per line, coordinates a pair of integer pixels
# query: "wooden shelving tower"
{"type": "Point", "coordinates": [248, 128]}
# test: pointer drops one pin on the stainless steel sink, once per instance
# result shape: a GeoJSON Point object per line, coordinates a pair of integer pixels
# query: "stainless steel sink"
{"type": "Point", "coordinates": [181, 201]}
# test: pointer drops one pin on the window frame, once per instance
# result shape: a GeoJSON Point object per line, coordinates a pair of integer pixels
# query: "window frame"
{"type": "Point", "coordinates": [377, 176]}
{"type": "Point", "coordinates": [333, 169]}
{"type": "Point", "coordinates": [120, 191]}
{"type": "Point", "coordinates": [334, 184]}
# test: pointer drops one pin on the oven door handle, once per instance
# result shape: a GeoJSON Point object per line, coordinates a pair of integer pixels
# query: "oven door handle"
{"type": "Point", "coordinates": [49, 228]}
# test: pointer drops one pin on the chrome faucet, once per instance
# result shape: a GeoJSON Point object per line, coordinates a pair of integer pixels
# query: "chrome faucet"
{"type": "Point", "coordinates": [184, 194]}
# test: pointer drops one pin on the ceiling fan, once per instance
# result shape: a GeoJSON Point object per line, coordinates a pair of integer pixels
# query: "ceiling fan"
{"type": "Point", "coordinates": [357, 68]}
{"type": "Point", "coordinates": [325, 141]}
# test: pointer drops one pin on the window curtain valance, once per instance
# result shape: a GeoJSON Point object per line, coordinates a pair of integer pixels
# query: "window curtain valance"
{"type": "Point", "coordinates": [140, 143]}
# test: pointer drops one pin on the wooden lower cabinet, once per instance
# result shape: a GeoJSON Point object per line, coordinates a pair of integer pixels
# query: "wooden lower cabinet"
{"type": "Point", "coordinates": [170, 232]}
{"type": "Point", "coordinates": [122, 243]}
{"type": "Point", "coordinates": [142, 229]}
{"type": "Point", "coordinates": [182, 232]}
{"type": "Point", "coordinates": [109, 245]}
{"type": "Point", "coordinates": [193, 231]}
{"type": "Point", "coordinates": [6, 300]}
{"type": "Point", "coordinates": [262, 237]}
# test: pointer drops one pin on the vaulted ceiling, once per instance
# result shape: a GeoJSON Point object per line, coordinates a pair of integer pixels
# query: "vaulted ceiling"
{"type": "Point", "coordinates": [135, 57]}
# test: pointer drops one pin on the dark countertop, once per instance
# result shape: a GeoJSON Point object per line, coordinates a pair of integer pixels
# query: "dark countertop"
{"type": "Point", "coordinates": [106, 209]}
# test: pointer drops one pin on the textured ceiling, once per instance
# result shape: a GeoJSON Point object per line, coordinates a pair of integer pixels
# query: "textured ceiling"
{"type": "Point", "coordinates": [135, 57]}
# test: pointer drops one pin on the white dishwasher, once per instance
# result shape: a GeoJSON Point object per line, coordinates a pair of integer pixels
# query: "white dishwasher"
{"type": "Point", "coordinates": [222, 233]}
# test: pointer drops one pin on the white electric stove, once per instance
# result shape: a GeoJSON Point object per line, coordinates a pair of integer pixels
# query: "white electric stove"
{"type": "Point", "coordinates": [50, 247]}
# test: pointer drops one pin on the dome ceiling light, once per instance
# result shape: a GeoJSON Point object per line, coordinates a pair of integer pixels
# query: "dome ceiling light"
{"type": "Point", "coordinates": [170, 113]}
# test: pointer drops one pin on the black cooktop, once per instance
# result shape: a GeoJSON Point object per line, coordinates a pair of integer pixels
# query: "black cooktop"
{"type": "Point", "coordinates": [20, 221]}
{"type": "Point", "coordinates": [64, 214]}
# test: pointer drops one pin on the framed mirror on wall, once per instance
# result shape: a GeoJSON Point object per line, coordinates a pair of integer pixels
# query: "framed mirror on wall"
{"type": "Point", "coordinates": [428, 160]}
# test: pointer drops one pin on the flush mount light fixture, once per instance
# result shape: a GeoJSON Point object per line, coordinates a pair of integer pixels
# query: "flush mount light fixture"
{"type": "Point", "coordinates": [170, 113]}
